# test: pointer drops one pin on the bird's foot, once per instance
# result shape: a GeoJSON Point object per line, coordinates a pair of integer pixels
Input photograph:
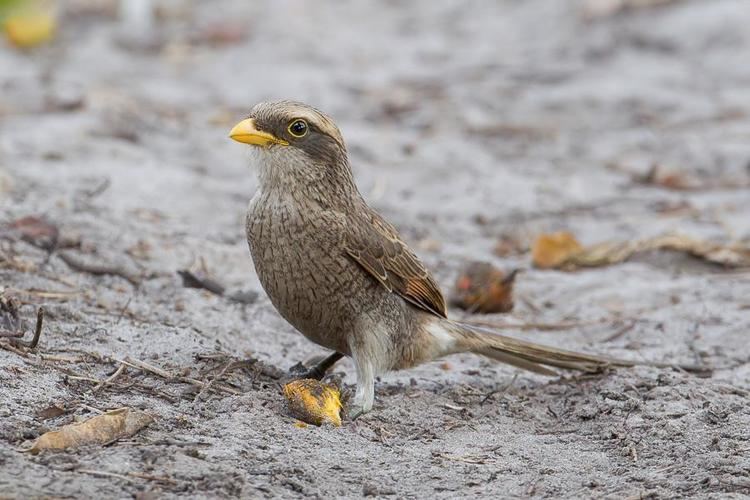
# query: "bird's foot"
{"type": "Point", "coordinates": [300, 371]}
{"type": "Point", "coordinates": [318, 370]}
{"type": "Point", "coordinates": [355, 411]}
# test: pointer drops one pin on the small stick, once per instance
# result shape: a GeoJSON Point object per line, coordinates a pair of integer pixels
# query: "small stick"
{"type": "Point", "coordinates": [100, 473]}
{"type": "Point", "coordinates": [174, 442]}
{"type": "Point", "coordinates": [98, 269]}
{"type": "Point", "coordinates": [149, 477]}
{"type": "Point", "coordinates": [233, 365]}
{"type": "Point", "coordinates": [38, 331]}
{"type": "Point", "coordinates": [5, 334]}
{"type": "Point", "coordinates": [111, 379]}
{"type": "Point", "coordinates": [12, 349]}
{"type": "Point", "coordinates": [500, 390]}
{"type": "Point", "coordinates": [619, 333]}
{"type": "Point", "coordinates": [123, 311]}
{"type": "Point", "coordinates": [85, 379]}
{"type": "Point", "coordinates": [141, 365]}
{"type": "Point", "coordinates": [49, 294]}
{"type": "Point", "coordinates": [53, 357]}
{"type": "Point", "coordinates": [14, 337]}
{"type": "Point", "coordinates": [92, 409]}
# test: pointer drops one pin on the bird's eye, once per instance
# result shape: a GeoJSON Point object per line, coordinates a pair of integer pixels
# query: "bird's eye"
{"type": "Point", "coordinates": [298, 128]}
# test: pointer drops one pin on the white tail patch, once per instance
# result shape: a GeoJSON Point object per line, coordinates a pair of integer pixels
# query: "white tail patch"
{"type": "Point", "coordinates": [440, 331]}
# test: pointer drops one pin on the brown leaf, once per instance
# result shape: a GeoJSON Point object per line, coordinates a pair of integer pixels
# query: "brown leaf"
{"type": "Point", "coordinates": [102, 429]}
{"type": "Point", "coordinates": [668, 179]}
{"type": "Point", "coordinates": [227, 32]}
{"type": "Point", "coordinates": [551, 251]}
{"type": "Point", "coordinates": [608, 253]}
{"type": "Point", "coordinates": [483, 288]}
{"type": "Point", "coordinates": [36, 231]}
{"type": "Point", "coordinates": [51, 411]}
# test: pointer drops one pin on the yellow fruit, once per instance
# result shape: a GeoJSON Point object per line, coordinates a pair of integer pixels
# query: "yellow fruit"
{"type": "Point", "coordinates": [313, 401]}
{"type": "Point", "coordinates": [29, 28]}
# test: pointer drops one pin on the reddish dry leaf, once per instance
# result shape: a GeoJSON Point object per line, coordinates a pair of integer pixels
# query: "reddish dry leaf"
{"type": "Point", "coordinates": [483, 288]}
{"type": "Point", "coordinates": [36, 231]}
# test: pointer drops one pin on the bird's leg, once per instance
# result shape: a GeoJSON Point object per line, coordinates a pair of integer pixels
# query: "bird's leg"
{"type": "Point", "coordinates": [365, 393]}
{"type": "Point", "coordinates": [317, 371]}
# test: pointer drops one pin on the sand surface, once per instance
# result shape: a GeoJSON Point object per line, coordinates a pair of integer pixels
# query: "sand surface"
{"type": "Point", "coordinates": [466, 122]}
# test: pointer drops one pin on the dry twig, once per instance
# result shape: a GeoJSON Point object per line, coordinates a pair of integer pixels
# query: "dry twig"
{"type": "Point", "coordinates": [98, 269]}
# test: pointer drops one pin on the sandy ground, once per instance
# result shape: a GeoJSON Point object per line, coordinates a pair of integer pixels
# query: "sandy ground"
{"type": "Point", "coordinates": [465, 123]}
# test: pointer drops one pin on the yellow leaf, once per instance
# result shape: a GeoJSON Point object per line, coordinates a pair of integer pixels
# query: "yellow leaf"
{"type": "Point", "coordinates": [313, 401]}
{"type": "Point", "coordinates": [113, 425]}
{"type": "Point", "coordinates": [552, 250]}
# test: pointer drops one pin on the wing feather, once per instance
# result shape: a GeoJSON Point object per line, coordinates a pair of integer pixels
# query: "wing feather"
{"type": "Point", "coordinates": [378, 249]}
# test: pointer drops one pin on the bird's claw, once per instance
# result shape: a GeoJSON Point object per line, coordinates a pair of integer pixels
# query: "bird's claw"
{"type": "Point", "coordinates": [300, 371]}
{"type": "Point", "coordinates": [355, 411]}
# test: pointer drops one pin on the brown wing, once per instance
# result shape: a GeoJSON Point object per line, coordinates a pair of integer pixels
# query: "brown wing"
{"type": "Point", "coordinates": [377, 247]}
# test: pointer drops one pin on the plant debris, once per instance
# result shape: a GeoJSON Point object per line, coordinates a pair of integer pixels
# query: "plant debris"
{"type": "Point", "coordinates": [483, 288]}
{"type": "Point", "coordinates": [563, 251]}
{"type": "Point", "coordinates": [99, 269]}
{"type": "Point", "coordinates": [551, 251]}
{"type": "Point", "coordinates": [101, 430]}
{"type": "Point", "coordinates": [200, 279]}
{"type": "Point", "coordinates": [313, 401]}
{"type": "Point", "coordinates": [596, 9]}
{"type": "Point", "coordinates": [36, 231]}
{"type": "Point", "coordinates": [10, 320]}
{"type": "Point", "coordinates": [660, 176]}
{"type": "Point", "coordinates": [12, 326]}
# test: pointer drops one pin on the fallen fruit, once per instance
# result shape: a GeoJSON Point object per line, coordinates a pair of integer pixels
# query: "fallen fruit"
{"type": "Point", "coordinates": [313, 401]}
{"type": "Point", "coordinates": [29, 28]}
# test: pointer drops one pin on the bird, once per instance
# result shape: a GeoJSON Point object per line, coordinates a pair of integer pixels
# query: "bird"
{"type": "Point", "coordinates": [341, 274]}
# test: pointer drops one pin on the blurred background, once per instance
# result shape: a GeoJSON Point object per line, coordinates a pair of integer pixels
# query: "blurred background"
{"type": "Point", "coordinates": [474, 127]}
{"type": "Point", "coordinates": [514, 106]}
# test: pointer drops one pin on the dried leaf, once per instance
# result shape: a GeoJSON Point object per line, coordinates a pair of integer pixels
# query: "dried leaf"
{"type": "Point", "coordinates": [51, 411]}
{"type": "Point", "coordinates": [102, 429]}
{"type": "Point", "coordinates": [36, 231]}
{"type": "Point", "coordinates": [483, 288]}
{"type": "Point", "coordinates": [313, 401]}
{"type": "Point", "coordinates": [608, 253]}
{"type": "Point", "coordinates": [551, 251]}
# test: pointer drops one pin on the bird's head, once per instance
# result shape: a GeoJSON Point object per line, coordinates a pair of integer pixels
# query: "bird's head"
{"type": "Point", "coordinates": [296, 144]}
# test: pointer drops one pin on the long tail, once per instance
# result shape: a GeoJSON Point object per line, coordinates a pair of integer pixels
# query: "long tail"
{"type": "Point", "coordinates": [455, 337]}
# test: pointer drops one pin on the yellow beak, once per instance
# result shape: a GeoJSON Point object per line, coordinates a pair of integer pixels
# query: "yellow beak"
{"type": "Point", "coordinates": [246, 131]}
